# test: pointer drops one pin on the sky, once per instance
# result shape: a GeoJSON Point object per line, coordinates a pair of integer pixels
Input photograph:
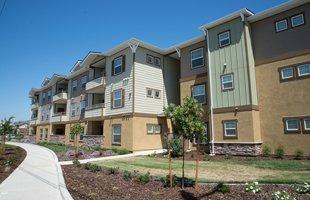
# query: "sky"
{"type": "Point", "coordinates": [41, 37]}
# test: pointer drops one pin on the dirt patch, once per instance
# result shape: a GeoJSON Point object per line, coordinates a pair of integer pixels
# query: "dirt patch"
{"type": "Point", "coordinates": [83, 184]}
{"type": "Point", "coordinates": [10, 160]}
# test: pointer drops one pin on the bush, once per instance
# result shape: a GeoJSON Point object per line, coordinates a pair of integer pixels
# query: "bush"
{"type": "Point", "coordinates": [144, 178]}
{"type": "Point", "coordinates": [92, 167]}
{"type": "Point", "coordinates": [176, 147]}
{"type": "Point", "coordinates": [252, 187]}
{"type": "Point", "coordinates": [120, 151]}
{"type": "Point", "coordinates": [299, 154]}
{"type": "Point", "coordinates": [223, 188]}
{"type": "Point", "coordinates": [266, 150]}
{"type": "Point", "coordinates": [177, 181]}
{"type": "Point", "coordinates": [76, 163]}
{"type": "Point", "coordinates": [113, 170]}
{"type": "Point", "coordinates": [279, 152]}
{"type": "Point", "coordinates": [279, 195]}
{"type": "Point", "coordinates": [303, 189]}
{"type": "Point", "coordinates": [127, 175]}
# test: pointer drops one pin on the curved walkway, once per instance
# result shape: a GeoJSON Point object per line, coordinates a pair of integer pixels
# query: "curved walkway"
{"type": "Point", "coordinates": [38, 177]}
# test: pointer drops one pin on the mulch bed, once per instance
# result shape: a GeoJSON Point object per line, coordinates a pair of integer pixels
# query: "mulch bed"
{"type": "Point", "coordinates": [83, 184]}
{"type": "Point", "coordinates": [14, 155]}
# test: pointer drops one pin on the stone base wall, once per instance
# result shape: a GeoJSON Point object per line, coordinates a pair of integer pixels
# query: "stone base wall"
{"type": "Point", "coordinates": [238, 149]}
{"type": "Point", "coordinates": [92, 140]}
{"type": "Point", "coordinates": [57, 139]}
{"type": "Point", "coordinates": [29, 139]}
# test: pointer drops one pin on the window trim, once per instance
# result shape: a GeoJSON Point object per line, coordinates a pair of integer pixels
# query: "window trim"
{"type": "Point", "coordinates": [74, 88]}
{"type": "Point", "coordinates": [303, 20]}
{"type": "Point", "coordinates": [278, 21]}
{"type": "Point", "coordinates": [222, 84]}
{"type": "Point", "coordinates": [281, 73]}
{"type": "Point", "coordinates": [113, 142]}
{"type": "Point", "coordinates": [82, 83]}
{"type": "Point", "coordinates": [113, 105]}
{"type": "Point", "coordinates": [224, 129]}
{"type": "Point", "coordinates": [153, 129]}
{"type": "Point", "coordinates": [147, 95]}
{"type": "Point", "coordinates": [205, 91]}
{"type": "Point", "coordinates": [292, 131]}
{"type": "Point", "coordinates": [159, 97]}
{"type": "Point", "coordinates": [151, 62]}
{"type": "Point", "coordinates": [304, 129]}
{"type": "Point", "coordinates": [158, 58]}
{"type": "Point", "coordinates": [203, 58]}
{"type": "Point", "coordinates": [219, 41]}
{"type": "Point", "coordinates": [298, 71]}
{"type": "Point", "coordinates": [121, 65]}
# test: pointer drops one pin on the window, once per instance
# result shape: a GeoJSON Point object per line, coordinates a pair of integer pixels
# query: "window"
{"type": "Point", "coordinates": [197, 58]}
{"type": "Point", "coordinates": [307, 124]}
{"type": "Point", "coordinates": [281, 25]}
{"type": "Point", "coordinates": [224, 38]}
{"type": "Point", "coordinates": [157, 61]}
{"type": "Point", "coordinates": [297, 20]}
{"type": "Point", "coordinates": [199, 93]}
{"type": "Point", "coordinates": [230, 128]}
{"type": "Point", "coordinates": [149, 59]}
{"type": "Point", "coordinates": [82, 135]}
{"type": "Point", "coordinates": [153, 128]}
{"type": "Point", "coordinates": [149, 92]}
{"type": "Point", "coordinates": [227, 82]}
{"type": "Point", "coordinates": [157, 94]}
{"type": "Point", "coordinates": [41, 134]}
{"type": "Point", "coordinates": [83, 82]}
{"type": "Point", "coordinates": [49, 93]}
{"type": "Point", "coordinates": [116, 133]}
{"type": "Point", "coordinates": [152, 93]}
{"type": "Point", "coordinates": [43, 96]}
{"type": "Point", "coordinates": [287, 73]}
{"type": "Point", "coordinates": [83, 106]}
{"type": "Point", "coordinates": [117, 65]}
{"type": "Point", "coordinates": [74, 85]}
{"type": "Point", "coordinates": [304, 70]}
{"type": "Point", "coordinates": [46, 133]}
{"type": "Point", "coordinates": [292, 124]}
{"type": "Point", "coordinates": [117, 99]}
{"type": "Point", "coordinates": [73, 109]}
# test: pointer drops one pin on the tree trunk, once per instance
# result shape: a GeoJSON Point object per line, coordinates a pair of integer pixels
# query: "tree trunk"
{"type": "Point", "coordinates": [2, 146]}
{"type": "Point", "coordinates": [183, 162]}
{"type": "Point", "coordinates": [170, 171]}
{"type": "Point", "coordinates": [197, 164]}
{"type": "Point", "coordinates": [75, 145]}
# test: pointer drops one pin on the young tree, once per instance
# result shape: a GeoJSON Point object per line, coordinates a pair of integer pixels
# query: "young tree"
{"type": "Point", "coordinates": [76, 129]}
{"type": "Point", "coordinates": [6, 127]}
{"type": "Point", "coordinates": [187, 120]}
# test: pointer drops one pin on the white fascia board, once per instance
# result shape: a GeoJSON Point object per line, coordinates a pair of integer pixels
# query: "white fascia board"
{"type": "Point", "coordinates": [277, 9]}
{"type": "Point", "coordinates": [226, 18]}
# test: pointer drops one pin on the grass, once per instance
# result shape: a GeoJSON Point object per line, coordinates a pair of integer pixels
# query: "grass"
{"type": "Point", "coordinates": [268, 171]}
{"type": "Point", "coordinates": [57, 148]}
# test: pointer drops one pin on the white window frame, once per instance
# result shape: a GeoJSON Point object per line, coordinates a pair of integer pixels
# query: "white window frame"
{"type": "Point", "coordinates": [153, 129]}
{"type": "Point", "coordinates": [43, 96]}
{"type": "Point", "coordinates": [159, 94]}
{"type": "Point", "coordinates": [305, 125]}
{"type": "Point", "coordinates": [158, 62]}
{"type": "Point", "coordinates": [74, 85]}
{"type": "Point", "coordinates": [149, 95]}
{"type": "Point", "coordinates": [114, 99]}
{"type": "Point", "coordinates": [73, 109]}
{"type": "Point", "coordinates": [295, 16]}
{"type": "Point", "coordinates": [83, 81]}
{"type": "Point", "coordinates": [289, 129]}
{"type": "Point", "coordinates": [116, 66]}
{"type": "Point", "coordinates": [49, 94]}
{"type": "Point", "coordinates": [225, 128]}
{"type": "Point", "coordinates": [282, 74]}
{"type": "Point", "coordinates": [204, 92]}
{"type": "Point", "coordinates": [232, 81]}
{"type": "Point", "coordinates": [113, 133]}
{"type": "Point", "coordinates": [220, 40]}
{"type": "Point", "coordinates": [298, 69]}
{"type": "Point", "coordinates": [203, 61]}
{"type": "Point", "coordinates": [277, 22]}
{"type": "Point", "coordinates": [152, 59]}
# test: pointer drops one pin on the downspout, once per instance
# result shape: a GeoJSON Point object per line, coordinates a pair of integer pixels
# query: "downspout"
{"type": "Point", "coordinates": [211, 92]}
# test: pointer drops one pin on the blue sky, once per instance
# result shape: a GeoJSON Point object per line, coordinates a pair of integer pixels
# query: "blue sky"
{"type": "Point", "coordinates": [39, 38]}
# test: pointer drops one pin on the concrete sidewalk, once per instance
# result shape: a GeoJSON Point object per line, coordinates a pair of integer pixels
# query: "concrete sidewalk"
{"type": "Point", "coordinates": [39, 177]}
{"type": "Point", "coordinates": [138, 153]}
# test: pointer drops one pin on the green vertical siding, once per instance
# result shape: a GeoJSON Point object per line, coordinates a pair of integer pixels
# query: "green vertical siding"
{"type": "Point", "coordinates": [235, 57]}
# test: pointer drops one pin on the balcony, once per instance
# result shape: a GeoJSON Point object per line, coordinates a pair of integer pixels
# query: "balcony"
{"type": "Point", "coordinates": [34, 105]}
{"type": "Point", "coordinates": [95, 85]}
{"type": "Point", "coordinates": [60, 97]}
{"type": "Point", "coordinates": [95, 111]}
{"type": "Point", "coordinates": [34, 121]}
{"type": "Point", "coordinates": [59, 117]}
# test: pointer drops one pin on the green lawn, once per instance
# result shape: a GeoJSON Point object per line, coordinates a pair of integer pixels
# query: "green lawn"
{"type": "Point", "coordinates": [276, 171]}
{"type": "Point", "coordinates": [57, 148]}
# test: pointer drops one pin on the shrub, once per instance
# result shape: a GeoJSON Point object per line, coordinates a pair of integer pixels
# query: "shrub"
{"type": "Point", "coordinates": [303, 189]}
{"type": "Point", "coordinates": [120, 151]}
{"type": "Point", "coordinates": [279, 152]}
{"type": "Point", "coordinates": [223, 188]}
{"type": "Point", "coordinates": [113, 170]}
{"type": "Point", "coordinates": [96, 148]}
{"type": "Point", "coordinates": [144, 178]}
{"type": "Point", "coordinates": [279, 195]}
{"type": "Point", "coordinates": [252, 187]}
{"type": "Point", "coordinates": [176, 147]}
{"type": "Point", "coordinates": [92, 167]}
{"type": "Point", "coordinates": [177, 181]}
{"type": "Point", "coordinates": [299, 154]}
{"type": "Point", "coordinates": [76, 163]}
{"type": "Point", "coordinates": [127, 175]}
{"type": "Point", "coordinates": [266, 150]}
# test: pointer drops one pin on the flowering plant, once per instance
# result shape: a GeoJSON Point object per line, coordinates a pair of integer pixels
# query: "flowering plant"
{"type": "Point", "coordinates": [281, 195]}
{"type": "Point", "coordinates": [252, 187]}
{"type": "Point", "coordinates": [303, 189]}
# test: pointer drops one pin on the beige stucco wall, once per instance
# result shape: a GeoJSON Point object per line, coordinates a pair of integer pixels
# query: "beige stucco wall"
{"type": "Point", "coordinates": [47, 126]}
{"type": "Point", "coordinates": [248, 127]}
{"type": "Point", "coordinates": [278, 100]}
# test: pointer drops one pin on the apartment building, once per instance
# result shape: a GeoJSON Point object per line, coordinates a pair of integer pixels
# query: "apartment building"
{"type": "Point", "coordinates": [249, 71]}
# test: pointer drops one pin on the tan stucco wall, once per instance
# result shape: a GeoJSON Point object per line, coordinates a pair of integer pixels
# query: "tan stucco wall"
{"type": "Point", "coordinates": [248, 127]}
{"type": "Point", "coordinates": [67, 133]}
{"type": "Point", "coordinates": [38, 132]}
{"type": "Point", "coordinates": [278, 100]}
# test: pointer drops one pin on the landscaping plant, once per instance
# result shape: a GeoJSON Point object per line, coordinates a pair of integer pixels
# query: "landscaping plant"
{"type": "Point", "coordinates": [144, 178]}
{"type": "Point", "coordinates": [6, 127]}
{"type": "Point", "coordinates": [266, 150]}
{"type": "Point", "coordinates": [127, 175]}
{"type": "Point", "coordinates": [252, 187]}
{"type": "Point", "coordinates": [76, 163]}
{"type": "Point", "coordinates": [223, 188]}
{"type": "Point", "coordinates": [281, 195]}
{"type": "Point", "coordinates": [188, 123]}
{"type": "Point", "coordinates": [279, 152]}
{"type": "Point", "coordinates": [76, 129]}
{"type": "Point", "coordinates": [299, 154]}
{"type": "Point", "coordinates": [303, 189]}
{"type": "Point", "coordinates": [113, 170]}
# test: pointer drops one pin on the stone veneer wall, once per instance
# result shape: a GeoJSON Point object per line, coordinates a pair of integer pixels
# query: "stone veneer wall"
{"type": "Point", "coordinates": [238, 149]}
{"type": "Point", "coordinates": [57, 139]}
{"type": "Point", "coordinates": [29, 139]}
{"type": "Point", "coordinates": [92, 140]}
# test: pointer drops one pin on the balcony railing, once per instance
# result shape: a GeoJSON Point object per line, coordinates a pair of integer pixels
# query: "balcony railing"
{"type": "Point", "coordinates": [95, 85]}
{"type": "Point", "coordinates": [60, 97]}
{"type": "Point", "coordinates": [34, 105]}
{"type": "Point", "coordinates": [59, 117]}
{"type": "Point", "coordinates": [96, 110]}
{"type": "Point", "coordinates": [34, 121]}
